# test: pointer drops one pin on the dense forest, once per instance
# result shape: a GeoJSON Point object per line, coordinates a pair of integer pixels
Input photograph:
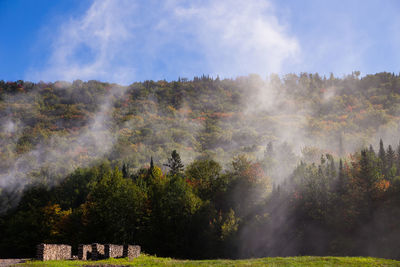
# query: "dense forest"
{"type": "Point", "coordinates": [204, 168]}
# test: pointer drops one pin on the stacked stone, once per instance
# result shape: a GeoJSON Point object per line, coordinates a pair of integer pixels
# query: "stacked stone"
{"type": "Point", "coordinates": [47, 252]}
{"type": "Point", "coordinates": [97, 251]}
{"type": "Point", "coordinates": [85, 252]}
{"type": "Point", "coordinates": [131, 252]}
{"type": "Point", "coordinates": [113, 251]}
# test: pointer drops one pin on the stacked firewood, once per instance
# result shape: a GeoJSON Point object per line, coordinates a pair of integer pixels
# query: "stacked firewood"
{"type": "Point", "coordinates": [113, 251]}
{"type": "Point", "coordinates": [131, 252]}
{"type": "Point", "coordinates": [47, 252]}
{"type": "Point", "coordinates": [94, 251]}
{"type": "Point", "coordinates": [85, 252]}
{"type": "Point", "coordinates": [97, 251]}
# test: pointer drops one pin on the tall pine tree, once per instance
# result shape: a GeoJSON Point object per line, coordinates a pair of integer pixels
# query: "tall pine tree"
{"type": "Point", "coordinates": [382, 157]}
{"type": "Point", "coordinates": [151, 169]}
{"type": "Point", "coordinates": [341, 185]}
{"type": "Point", "coordinates": [175, 163]}
{"type": "Point", "coordinates": [390, 161]}
{"type": "Point", "coordinates": [371, 150]}
{"type": "Point", "coordinates": [125, 170]}
{"type": "Point", "coordinates": [398, 160]}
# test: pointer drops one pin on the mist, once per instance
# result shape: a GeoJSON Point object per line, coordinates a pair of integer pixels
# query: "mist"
{"type": "Point", "coordinates": [229, 81]}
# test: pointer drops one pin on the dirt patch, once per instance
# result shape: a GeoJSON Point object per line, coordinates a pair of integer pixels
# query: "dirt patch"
{"type": "Point", "coordinates": [11, 262]}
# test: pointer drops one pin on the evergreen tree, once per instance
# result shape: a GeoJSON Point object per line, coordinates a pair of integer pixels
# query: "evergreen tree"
{"type": "Point", "coordinates": [382, 157]}
{"type": "Point", "coordinates": [332, 168]}
{"type": "Point", "coordinates": [371, 150]}
{"type": "Point", "coordinates": [398, 160]}
{"type": "Point", "coordinates": [269, 157]}
{"type": "Point", "coordinates": [269, 152]}
{"type": "Point", "coordinates": [364, 165]}
{"type": "Point", "coordinates": [390, 162]}
{"type": "Point", "coordinates": [151, 169]}
{"type": "Point", "coordinates": [175, 163]}
{"type": "Point", "coordinates": [368, 177]}
{"type": "Point", "coordinates": [125, 170]}
{"type": "Point", "coordinates": [341, 185]}
{"type": "Point", "coordinates": [390, 157]}
{"type": "Point", "coordinates": [367, 172]}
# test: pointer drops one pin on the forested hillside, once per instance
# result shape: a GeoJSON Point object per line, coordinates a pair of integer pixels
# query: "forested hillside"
{"type": "Point", "coordinates": [201, 117]}
{"type": "Point", "coordinates": [204, 168]}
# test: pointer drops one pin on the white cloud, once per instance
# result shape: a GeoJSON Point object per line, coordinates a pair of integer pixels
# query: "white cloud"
{"type": "Point", "coordinates": [92, 46]}
{"type": "Point", "coordinates": [238, 37]}
{"type": "Point", "coordinates": [122, 41]}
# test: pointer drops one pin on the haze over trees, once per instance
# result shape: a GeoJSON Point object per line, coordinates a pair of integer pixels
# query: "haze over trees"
{"type": "Point", "coordinates": [204, 168]}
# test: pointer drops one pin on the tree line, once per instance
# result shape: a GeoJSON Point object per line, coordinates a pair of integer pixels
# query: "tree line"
{"type": "Point", "coordinates": [340, 206]}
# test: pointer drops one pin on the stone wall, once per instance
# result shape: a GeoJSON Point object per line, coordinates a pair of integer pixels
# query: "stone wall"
{"type": "Point", "coordinates": [131, 252]}
{"type": "Point", "coordinates": [47, 252]}
{"type": "Point", "coordinates": [113, 251]}
{"type": "Point", "coordinates": [97, 251]}
{"type": "Point", "coordinates": [85, 252]}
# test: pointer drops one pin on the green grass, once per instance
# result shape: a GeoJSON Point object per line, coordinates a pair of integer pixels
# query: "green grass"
{"type": "Point", "coordinates": [145, 260]}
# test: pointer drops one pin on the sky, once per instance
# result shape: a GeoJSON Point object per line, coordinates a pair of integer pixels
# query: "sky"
{"type": "Point", "coordinates": [134, 40]}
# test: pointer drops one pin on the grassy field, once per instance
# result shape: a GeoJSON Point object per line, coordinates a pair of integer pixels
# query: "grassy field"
{"type": "Point", "coordinates": [146, 260]}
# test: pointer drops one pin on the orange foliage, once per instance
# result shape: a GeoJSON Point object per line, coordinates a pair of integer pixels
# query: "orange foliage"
{"type": "Point", "coordinates": [221, 115]}
{"type": "Point", "coordinates": [254, 172]}
{"type": "Point", "coordinates": [193, 183]}
{"type": "Point", "coordinates": [349, 108]}
{"type": "Point", "coordinates": [184, 111]}
{"type": "Point", "coordinates": [359, 116]}
{"type": "Point", "coordinates": [382, 185]}
{"type": "Point", "coordinates": [78, 151]}
{"type": "Point", "coordinates": [200, 119]}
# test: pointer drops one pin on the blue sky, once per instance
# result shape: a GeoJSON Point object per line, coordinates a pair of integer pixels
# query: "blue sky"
{"type": "Point", "coordinates": [133, 40]}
